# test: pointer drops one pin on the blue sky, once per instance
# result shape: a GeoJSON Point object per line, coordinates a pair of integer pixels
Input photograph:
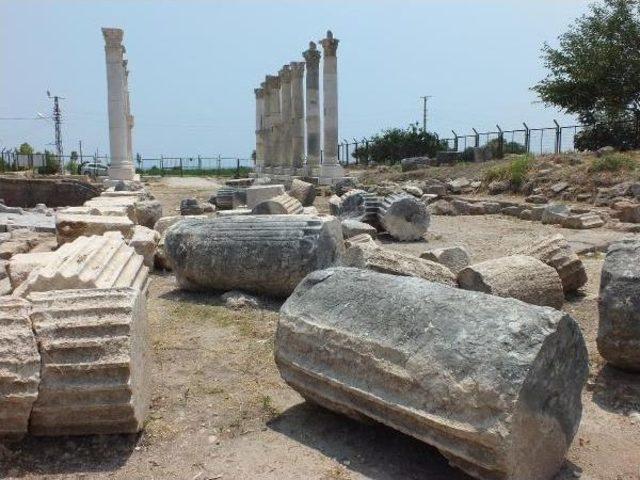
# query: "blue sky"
{"type": "Point", "coordinates": [194, 65]}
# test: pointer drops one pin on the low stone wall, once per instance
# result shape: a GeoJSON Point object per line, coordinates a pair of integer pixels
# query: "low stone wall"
{"type": "Point", "coordinates": [53, 192]}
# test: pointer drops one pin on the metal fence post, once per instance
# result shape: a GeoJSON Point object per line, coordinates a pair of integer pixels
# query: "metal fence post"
{"type": "Point", "coordinates": [558, 137]}
{"type": "Point", "coordinates": [500, 142]}
{"type": "Point", "coordinates": [181, 173]}
{"type": "Point", "coordinates": [455, 141]}
{"type": "Point", "coordinates": [476, 136]}
{"type": "Point", "coordinates": [527, 138]}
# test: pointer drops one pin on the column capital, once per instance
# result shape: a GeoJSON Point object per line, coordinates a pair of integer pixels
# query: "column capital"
{"type": "Point", "coordinates": [259, 92]}
{"type": "Point", "coordinates": [272, 82]}
{"type": "Point", "coordinates": [113, 36]}
{"type": "Point", "coordinates": [312, 56]}
{"type": "Point", "coordinates": [329, 44]}
{"type": "Point", "coordinates": [285, 74]}
{"type": "Point", "coordinates": [297, 69]}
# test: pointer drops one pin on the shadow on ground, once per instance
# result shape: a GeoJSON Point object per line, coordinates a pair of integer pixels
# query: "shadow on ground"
{"type": "Point", "coordinates": [65, 455]}
{"type": "Point", "coordinates": [376, 451]}
{"type": "Point", "coordinates": [617, 391]}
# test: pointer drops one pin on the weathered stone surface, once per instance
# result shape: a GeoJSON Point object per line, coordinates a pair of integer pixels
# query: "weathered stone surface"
{"type": "Point", "coordinates": [267, 254]}
{"type": "Point", "coordinates": [361, 238]}
{"type": "Point", "coordinates": [404, 217]}
{"type": "Point", "coordinates": [493, 383]}
{"type": "Point", "coordinates": [190, 206]}
{"type": "Point", "coordinates": [351, 228]}
{"type": "Point", "coordinates": [147, 212]}
{"type": "Point", "coordinates": [304, 192]}
{"type": "Point", "coordinates": [628, 212]}
{"type": "Point", "coordinates": [458, 185]}
{"type": "Point", "coordinates": [414, 163]}
{"type": "Point", "coordinates": [226, 198]}
{"type": "Point", "coordinates": [435, 187]}
{"type": "Point", "coordinates": [558, 187]}
{"type": "Point", "coordinates": [236, 300]}
{"type": "Point", "coordinates": [165, 222]}
{"type": "Point", "coordinates": [89, 262]}
{"type": "Point", "coordinates": [518, 276]}
{"type": "Point", "coordinates": [19, 367]}
{"type": "Point", "coordinates": [557, 253]}
{"type": "Point", "coordinates": [442, 207]}
{"type": "Point", "coordinates": [144, 241]}
{"type": "Point", "coordinates": [428, 198]}
{"type": "Point", "coordinates": [106, 202]}
{"type": "Point", "coordinates": [350, 205]}
{"type": "Point", "coordinates": [281, 205]}
{"type": "Point", "coordinates": [237, 211]}
{"type": "Point", "coordinates": [95, 361]}
{"type": "Point", "coordinates": [555, 214]}
{"type": "Point", "coordinates": [454, 258]}
{"type": "Point", "coordinates": [448, 157]}
{"type": "Point", "coordinates": [117, 211]}
{"type": "Point", "coordinates": [54, 191]}
{"type": "Point", "coordinates": [21, 265]}
{"type": "Point", "coordinates": [498, 186]}
{"type": "Point", "coordinates": [512, 211]}
{"type": "Point", "coordinates": [619, 306]}
{"type": "Point", "coordinates": [583, 221]}
{"type": "Point", "coordinates": [413, 190]}
{"type": "Point", "coordinates": [259, 193]}
{"type": "Point", "coordinates": [370, 256]}
{"type": "Point", "coordinates": [343, 185]}
{"type": "Point", "coordinates": [536, 199]}
{"type": "Point", "coordinates": [70, 227]}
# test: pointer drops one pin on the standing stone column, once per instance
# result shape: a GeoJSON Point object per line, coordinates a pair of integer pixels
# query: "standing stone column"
{"type": "Point", "coordinates": [275, 143]}
{"type": "Point", "coordinates": [121, 166]}
{"type": "Point", "coordinates": [268, 125]}
{"type": "Point", "coordinates": [259, 129]}
{"type": "Point", "coordinates": [128, 110]}
{"type": "Point", "coordinates": [297, 116]}
{"type": "Point", "coordinates": [312, 58]}
{"type": "Point", "coordinates": [330, 168]}
{"type": "Point", "coordinates": [285, 96]}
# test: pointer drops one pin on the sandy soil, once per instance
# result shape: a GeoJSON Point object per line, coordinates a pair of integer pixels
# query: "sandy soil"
{"type": "Point", "coordinates": [221, 411]}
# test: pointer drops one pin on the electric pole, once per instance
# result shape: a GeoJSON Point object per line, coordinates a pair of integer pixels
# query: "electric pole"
{"type": "Point", "coordinates": [57, 120]}
{"type": "Point", "coordinates": [424, 111]}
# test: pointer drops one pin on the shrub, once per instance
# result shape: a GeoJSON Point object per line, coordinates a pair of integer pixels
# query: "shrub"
{"type": "Point", "coordinates": [613, 162]}
{"type": "Point", "coordinates": [622, 135]}
{"type": "Point", "coordinates": [515, 172]}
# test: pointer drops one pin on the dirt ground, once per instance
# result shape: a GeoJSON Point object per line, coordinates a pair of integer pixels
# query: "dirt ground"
{"type": "Point", "coordinates": [221, 411]}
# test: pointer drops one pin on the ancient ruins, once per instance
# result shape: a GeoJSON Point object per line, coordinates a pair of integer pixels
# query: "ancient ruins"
{"type": "Point", "coordinates": [281, 104]}
{"type": "Point", "coordinates": [405, 321]}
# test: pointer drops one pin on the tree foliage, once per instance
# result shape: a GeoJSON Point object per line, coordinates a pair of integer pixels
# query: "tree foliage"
{"type": "Point", "coordinates": [594, 71]}
{"type": "Point", "coordinates": [394, 144]}
{"type": "Point", "coordinates": [25, 149]}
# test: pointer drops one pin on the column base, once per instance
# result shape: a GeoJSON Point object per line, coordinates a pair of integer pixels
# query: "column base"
{"type": "Point", "coordinates": [122, 172]}
{"type": "Point", "coordinates": [329, 173]}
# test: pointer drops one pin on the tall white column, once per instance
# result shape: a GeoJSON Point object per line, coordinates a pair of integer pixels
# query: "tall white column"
{"type": "Point", "coordinates": [129, 116]}
{"type": "Point", "coordinates": [121, 166]}
{"type": "Point", "coordinates": [259, 129]}
{"type": "Point", "coordinates": [285, 96]}
{"type": "Point", "coordinates": [268, 125]}
{"type": "Point", "coordinates": [330, 167]}
{"type": "Point", "coordinates": [297, 116]}
{"type": "Point", "coordinates": [276, 123]}
{"type": "Point", "coordinates": [312, 58]}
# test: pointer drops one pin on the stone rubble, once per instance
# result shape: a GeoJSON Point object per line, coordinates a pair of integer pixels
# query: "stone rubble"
{"type": "Point", "coordinates": [281, 205]}
{"type": "Point", "coordinates": [71, 227]}
{"type": "Point", "coordinates": [304, 192]}
{"type": "Point", "coordinates": [404, 217]}
{"type": "Point", "coordinates": [351, 228]}
{"type": "Point", "coordinates": [619, 306]}
{"type": "Point", "coordinates": [260, 193]}
{"type": "Point", "coordinates": [454, 258]}
{"type": "Point", "coordinates": [479, 377]}
{"type": "Point", "coordinates": [145, 241]}
{"type": "Point", "coordinates": [517, 276]}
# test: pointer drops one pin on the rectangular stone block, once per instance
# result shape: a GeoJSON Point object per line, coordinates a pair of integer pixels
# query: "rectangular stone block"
{"type": "Point", "coordinates": [95, 361]}
{"type": "Point", "coordinates": [19, 367]}
{"type": "Point", "coordinates": [89, 262]}
{"type": "Point", "coordinates": [21, 265]}
{"type": "Point", "coordinates": [70, 227]}
{"type": "Point", "coordinates": [260, 193]}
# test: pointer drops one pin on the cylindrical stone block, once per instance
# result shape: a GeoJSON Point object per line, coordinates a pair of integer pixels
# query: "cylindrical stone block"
{"type": "Point", "coordinates": [404, 217]}
{"type": "Point", "coordinates": [266, 254]}
{"type": "Point", "coordinates": [619, 306]}
{"type": "Point", "coordinates": [493, 383]}
{"type": "Point", "coordinates": [281, 205]}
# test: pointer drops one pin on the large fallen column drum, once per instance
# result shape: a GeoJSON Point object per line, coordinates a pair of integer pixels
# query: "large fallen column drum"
{"type": "Point", "coordinates": [266, 254]}
{"type": "Point", "coordinates": [493, 383]}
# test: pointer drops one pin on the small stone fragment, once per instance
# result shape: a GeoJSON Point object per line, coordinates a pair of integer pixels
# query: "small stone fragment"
{"type": "Point", "coordinates": [304, 192]}
{"type": "Point", "coordinates": [351, 228]}
{"type": "Point", "coordinates": [454, 258]}
{"type": "Point", "coordinates": [281, 205]}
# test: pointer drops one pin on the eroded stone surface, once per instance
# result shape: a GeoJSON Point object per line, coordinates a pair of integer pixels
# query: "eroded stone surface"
{"type": "Point", "coordinates": [147, 212]}
{"type": "Point", "coordinates": [454, 258]}
{"type": "Point", "coordinates": [259, 193]}
{"type": "Point", "coordinates": [370, 256]}
{"type": "Point", "coordinates": [281, 205]}
{"type": "Point", "coordinates": [267, 254]}
{"type": "Point", "coordinates": [70, 227]}
{"type": "Point", "coordinates": [493, 383]}
{"type": "Point", "coordinates": [95, 361]}
{"type": "Point", "coordinates": [404, 217]}
{"type": "Point", "coordinates": [20, 266]}
{"type": "Point", "coordinates": [304, 192]}
{"type": "Point", "coordinates": [144, 241]}
{"type": "Point", "coordinates": [517, 276]}
{"type": "Point", "coordinates": [619, 306]}
{"type": "Point", "coordinates": [351, 228]}
{"type": "Point", "coordinates": [19, 367]}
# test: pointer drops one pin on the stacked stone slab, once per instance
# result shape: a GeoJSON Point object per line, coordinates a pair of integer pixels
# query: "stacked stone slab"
{"type": "Point", "coordinates": [370, 256]}
{"type": "Point", "coordinates": [94, 347]}
{"type": "Point", "coordinates": [518, 276]}
{"type": "Point", "coordinates": [226, 198]}
{"type": "Point", "coordinates": [115, 211]}
{"type": "Point", "coordinates": [19, 367]}
{"type": "Point", "coordinates": [281, 205]}
{"type": "Point", "coordinates": [89, 262]}
{"type": "Point", "coordinates": [556, 252]}
{"type": "Point", "coordinates": [70, 227]}
{"type": "Point", "coordinates": [619, 306]}
{"type": "Point", "coordinates": [265, 254]}
{"type": "Point", "coordinates": [110, 202]}
{"type": "Point", "coordinates": [404, 217]}
{"type": "Point", "coordinates": [493, 383]}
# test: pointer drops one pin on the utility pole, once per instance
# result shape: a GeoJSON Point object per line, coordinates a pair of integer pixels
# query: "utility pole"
{"type": "Point", "coordinates": [57, 120]}
{"type": "Point", "coordinates": [424, 111]}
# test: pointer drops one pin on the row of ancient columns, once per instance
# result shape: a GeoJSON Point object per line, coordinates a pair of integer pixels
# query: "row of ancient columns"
{"type": "Point", "coordinates": [281, 103]}
{"type": "Point", "coordinates": [119, 108]}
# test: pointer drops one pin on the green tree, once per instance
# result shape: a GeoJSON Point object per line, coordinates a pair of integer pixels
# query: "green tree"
{"type": "Point", "coordinates": [394, 144]}
{"type": "Point", "coordinates": [72, 166]}
{"type": "Point", "coordinates": [594, 71]}
{"type": "Point", "coordinates": [25, 149]}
